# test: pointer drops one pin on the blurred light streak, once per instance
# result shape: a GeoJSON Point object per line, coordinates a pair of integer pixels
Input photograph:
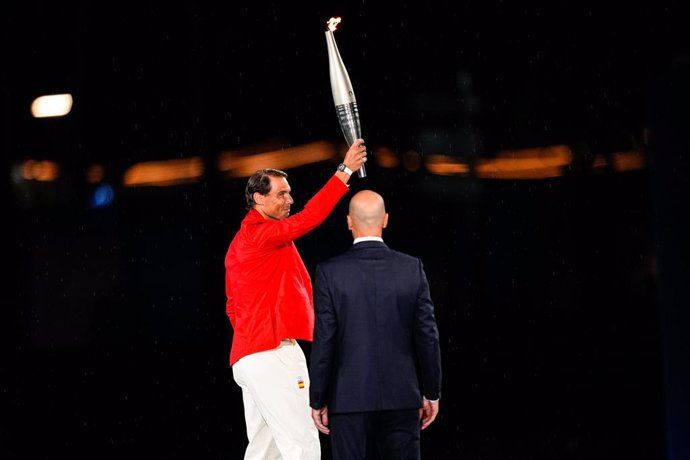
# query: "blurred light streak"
{"type": "Point", "coordinates": [627, 161]}
{"type": "Point", "coordinates": [412, 160]}
{"type": "Point", "coordinates": [532, 163]}
{"type": "Point", "coordinates": [54, 105]}
{"type": "Point", "coordinates": [237, 164]}
{"type": "Point", "coordinates": [103, 196]}
{"type": "Point", "coordinates": [386, 157]}
{"type": "Point", "coordinates": [95, 173]}
{"type": "Point", "coordinates": [41, 171]}
{"type": "Point", "coordinates": [600, 162]}
{"type": "Point", "coordinates": [164, 173]}
{"type": "Point", "coordinates": [446, 165]}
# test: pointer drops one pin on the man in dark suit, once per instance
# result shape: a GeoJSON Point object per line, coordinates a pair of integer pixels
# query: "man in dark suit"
{"type": "Point", "coordinates": [375, 342]}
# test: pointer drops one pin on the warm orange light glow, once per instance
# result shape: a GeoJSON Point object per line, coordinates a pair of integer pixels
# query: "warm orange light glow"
{"type": "Point", "coordinates": [164, 173]}
{"type": "Point", "coordinates": [412, 160]}
{"type": "Point", "coordinates": [445, 165]}
{"type": "Point", "coordinates": [237, 164]}
{"type": "Point", "coordinates": [503, 168]}
{"type": "Point", "coordinates": [599, 162]}
{"type": "Point", "coordinates": [627, 161]}
{"type": "Point", "coordinates": [533, 163]}
{"type": "Point", "coordinates": [95, 173]}
{"type": "Point", "coordinates": [333, 24]}
{"type": "Point", "coordinates": [560, 152]}
{"type": "Point", "coordinates": [386, 157]}
{"type": "Point", "coordinates": [41, 171]}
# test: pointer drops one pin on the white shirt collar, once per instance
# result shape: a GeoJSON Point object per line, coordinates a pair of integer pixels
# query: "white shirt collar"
{"type": "Point", "coordinates": [367, 238]}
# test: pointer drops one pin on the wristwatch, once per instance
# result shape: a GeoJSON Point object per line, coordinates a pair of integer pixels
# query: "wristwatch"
{"type": "Point", "coordinates": [345, 169]}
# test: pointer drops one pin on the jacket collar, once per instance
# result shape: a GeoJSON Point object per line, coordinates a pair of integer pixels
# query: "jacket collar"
{"type": "Point", "coordinates": [367, 238]}
{"type": "Point", "coordinates": [367, 245]}
{"type": "Point", "coordinates": [253, 216]}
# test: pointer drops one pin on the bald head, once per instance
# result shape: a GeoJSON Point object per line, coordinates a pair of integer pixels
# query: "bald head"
{"type": "Point", "coordinates": [367, 215]}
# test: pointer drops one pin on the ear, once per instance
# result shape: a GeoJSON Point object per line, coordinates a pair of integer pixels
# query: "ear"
{"type": "Point", "coordinates": [385, 220]}
{"type": "Point", "coordinates": [258, 198]}
{"type": "Point", "coordinates": [349, 222]}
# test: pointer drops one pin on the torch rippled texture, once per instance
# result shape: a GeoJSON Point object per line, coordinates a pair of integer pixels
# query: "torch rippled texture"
{"type": "Point", "coordinates": [343, 96]}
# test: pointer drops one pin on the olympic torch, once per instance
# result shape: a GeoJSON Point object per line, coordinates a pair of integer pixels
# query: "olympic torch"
{"type": "Point", "coordinates": [343, 94]}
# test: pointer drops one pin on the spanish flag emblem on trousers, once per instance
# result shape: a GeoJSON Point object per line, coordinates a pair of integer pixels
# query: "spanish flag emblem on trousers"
{"type": "Point", "coordinates": [300, 382]}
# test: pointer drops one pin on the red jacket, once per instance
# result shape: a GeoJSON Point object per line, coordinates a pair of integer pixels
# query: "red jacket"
{"type": "Point", "coordinates": [267, 285]}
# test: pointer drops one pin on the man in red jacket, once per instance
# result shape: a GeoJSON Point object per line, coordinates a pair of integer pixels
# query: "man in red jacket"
{"type": "Point", "coordinates": [270, 306]}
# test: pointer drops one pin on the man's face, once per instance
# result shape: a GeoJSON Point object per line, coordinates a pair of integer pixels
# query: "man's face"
{"type": "Point", "coordinates": [275, 205]}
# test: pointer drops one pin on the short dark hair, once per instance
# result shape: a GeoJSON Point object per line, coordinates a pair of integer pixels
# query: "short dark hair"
{"type": "Point", "coordinates": [260, 182]}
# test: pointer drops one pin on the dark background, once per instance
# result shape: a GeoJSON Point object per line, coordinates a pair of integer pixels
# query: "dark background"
{"type": "Point", "coordinates": [561, 302]}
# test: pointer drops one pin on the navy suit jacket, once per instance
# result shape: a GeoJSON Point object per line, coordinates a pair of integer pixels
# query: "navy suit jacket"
{"type": "Point", "coordinates": [375, 336]}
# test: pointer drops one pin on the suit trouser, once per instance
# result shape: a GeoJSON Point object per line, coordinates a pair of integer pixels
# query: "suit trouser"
{"type": "Point", "coordinates": [391, 434]}
{"type": "Point", "coordinates": [275, 392]}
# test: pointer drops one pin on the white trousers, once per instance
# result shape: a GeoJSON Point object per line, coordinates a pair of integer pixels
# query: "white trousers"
{"type": "Point", "coordinates": [275, 391]}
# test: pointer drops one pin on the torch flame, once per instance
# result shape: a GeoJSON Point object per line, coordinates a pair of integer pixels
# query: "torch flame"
{"type": "Point", "coordinates": [333, 23]}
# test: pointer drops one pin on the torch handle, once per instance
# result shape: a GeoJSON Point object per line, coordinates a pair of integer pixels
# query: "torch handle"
{"type": "Point", "coordinates": [361, 172]}
{"type": "Point", "coordinates": [348, 116]}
